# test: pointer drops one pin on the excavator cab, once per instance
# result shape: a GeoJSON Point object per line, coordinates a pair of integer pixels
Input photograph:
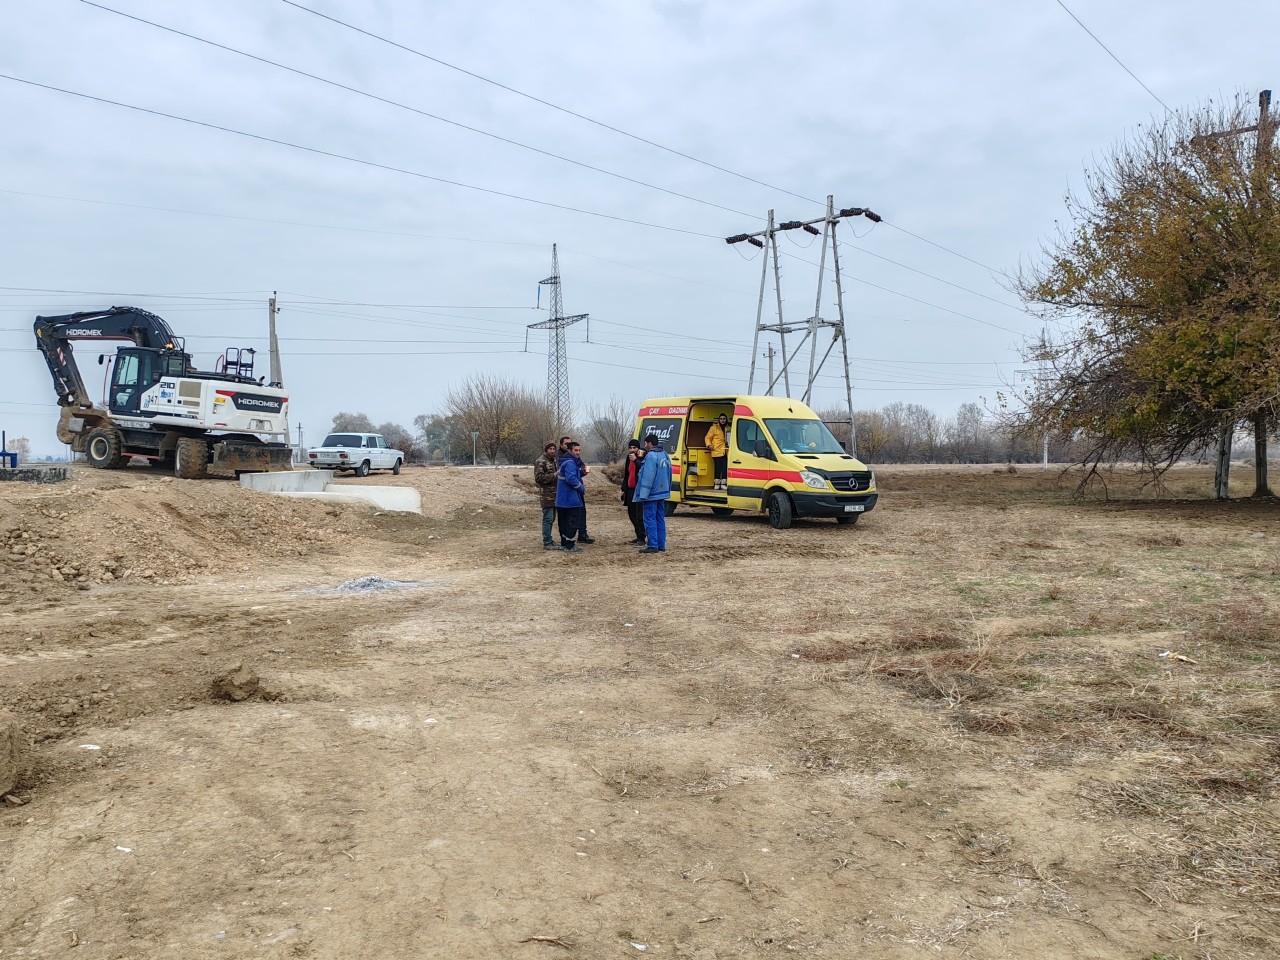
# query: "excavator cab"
{"type": "Point", "coordinates": [137, 369]}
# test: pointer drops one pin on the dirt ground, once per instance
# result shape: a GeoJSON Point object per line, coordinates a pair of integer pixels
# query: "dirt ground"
{"type": "Point", "coordinates": [991, 720]}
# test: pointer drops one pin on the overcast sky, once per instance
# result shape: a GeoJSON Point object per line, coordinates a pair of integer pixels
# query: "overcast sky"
{"type": "Point", "coordinates": [962, 124]}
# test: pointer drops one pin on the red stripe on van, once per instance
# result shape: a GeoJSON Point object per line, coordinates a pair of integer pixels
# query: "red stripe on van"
{"type": "Point", "coordinates": [663, 411]}
{"type": "Point", "coordinates": [740, 411]}
{"type": "Point", "coordinates": [741, 474]}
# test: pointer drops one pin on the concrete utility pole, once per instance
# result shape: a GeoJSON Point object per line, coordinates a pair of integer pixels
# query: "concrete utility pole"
{"type": "Point", "coordinates": [273, 342]}
{"type": "Point", "coordinates": [277, 378]}
{"type": "Point", "coordinates": [557, 355]}
{"type": "Point", "coordinates": [1040, 374]}
{"type": "Point", "coordinates": [813, 326]}
{"type": "Point", "coordinates": [1265, 129]}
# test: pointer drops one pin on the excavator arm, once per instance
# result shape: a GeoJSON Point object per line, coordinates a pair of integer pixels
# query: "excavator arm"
{"type": "Point", "coordinates": [54, 336]}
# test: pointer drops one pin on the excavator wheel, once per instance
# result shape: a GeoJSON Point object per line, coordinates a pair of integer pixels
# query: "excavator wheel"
{"type": "Point", "coordinates": [102, 449]}
{"type": "Point", "coordinates": [191, 459]}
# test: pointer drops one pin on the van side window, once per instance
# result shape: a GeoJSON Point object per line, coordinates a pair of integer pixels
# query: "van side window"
{"type": "Point", "coordinates": [750, 439]}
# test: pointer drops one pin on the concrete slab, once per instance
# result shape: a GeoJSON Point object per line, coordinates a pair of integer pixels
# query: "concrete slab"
{"type": "Point", "coordinates": [36, 473]}
{"type": "Point", "coordinates": [392, 499]}
{"type": "Point", "coordinates": [314, 481]}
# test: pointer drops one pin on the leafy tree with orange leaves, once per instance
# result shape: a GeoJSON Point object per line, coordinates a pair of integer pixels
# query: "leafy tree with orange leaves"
{"type": "Point", "coordinates": [1165, 293]}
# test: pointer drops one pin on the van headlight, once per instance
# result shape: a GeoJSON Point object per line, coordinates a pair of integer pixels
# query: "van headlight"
{"type": "Point", "coordinates": [873, 479]}
{"type": "Point", "coordinates": [815, 480]}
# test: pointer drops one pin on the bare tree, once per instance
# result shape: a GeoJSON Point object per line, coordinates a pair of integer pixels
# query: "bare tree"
{"type": "Point", "coordinates": [22, 447]}
{"type": "Point", "coordinates": [513, 420]}
{"type": "Point", "coordinates": [352, 423]}
{"type": "Point", "coordinates": [609, 427]}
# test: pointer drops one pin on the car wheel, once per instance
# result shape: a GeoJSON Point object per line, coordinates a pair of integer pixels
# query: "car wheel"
{"type": "Point", "coordinates": [396, 468]}
{"type": "Point", "coordinates": [722, 511]}
{"type": "Point", "coordinates": [779, 510]}
{"type": "Point", "coordinates": [363, 469]}
{"type": "Point", "coordinates": [669, 507]}
{"type": "Point", "coordinates": [847, 521]}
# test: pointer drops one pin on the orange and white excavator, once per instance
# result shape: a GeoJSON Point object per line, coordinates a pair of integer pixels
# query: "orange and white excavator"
{"type": "Point", "coordinates": [157, 405]}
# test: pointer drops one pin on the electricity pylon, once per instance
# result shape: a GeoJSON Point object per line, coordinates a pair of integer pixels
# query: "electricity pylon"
{"type": "Point", "coordinates": [813, 326]}
{"type": "Point", "coordinates": [557, 355]}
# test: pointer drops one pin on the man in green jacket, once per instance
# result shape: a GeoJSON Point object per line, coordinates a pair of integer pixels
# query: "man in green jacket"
{"type": "Point", "coordinates": [545, 474]}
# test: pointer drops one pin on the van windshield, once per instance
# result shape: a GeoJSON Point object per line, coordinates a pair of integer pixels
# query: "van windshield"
{"type": "Point", "coordinates": [343, 440]}
{"type": "Point", "coordinates": [803, 436]}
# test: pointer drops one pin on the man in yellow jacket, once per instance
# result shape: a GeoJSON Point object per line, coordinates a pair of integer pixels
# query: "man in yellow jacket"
{"type": "Point", "coordinates": [718, 444]}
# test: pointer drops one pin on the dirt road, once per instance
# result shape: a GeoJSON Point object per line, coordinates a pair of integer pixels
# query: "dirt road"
{"type": "Point", "coordinates": [988, 721]}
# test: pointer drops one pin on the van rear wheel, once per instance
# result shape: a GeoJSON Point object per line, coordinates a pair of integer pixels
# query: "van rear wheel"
{"type": "Point", "coordinates": [669, 507]}
{"type": "Point", "coordinates": [722, 511]}
{"type": "Point", "coordinates": [779, 511]}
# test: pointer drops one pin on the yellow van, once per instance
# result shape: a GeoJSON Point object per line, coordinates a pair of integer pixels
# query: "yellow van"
{"type": "Point", "coordinates": [782, 459]}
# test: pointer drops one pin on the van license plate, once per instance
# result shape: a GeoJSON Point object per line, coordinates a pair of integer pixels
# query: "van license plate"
{"type": "Point", "coordinates": [854, 508]}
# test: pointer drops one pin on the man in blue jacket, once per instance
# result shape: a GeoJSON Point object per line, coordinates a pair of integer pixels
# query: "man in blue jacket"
{"type": "Point", "coordinates": [652, 489]}
{"type": "Point", "coordinates": [570, 497]}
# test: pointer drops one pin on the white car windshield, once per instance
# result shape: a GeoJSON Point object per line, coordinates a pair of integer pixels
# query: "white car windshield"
{"type": "Point", "coordinates": [803, 436]}
{"type": "Point", "coordinates": [342, 440]}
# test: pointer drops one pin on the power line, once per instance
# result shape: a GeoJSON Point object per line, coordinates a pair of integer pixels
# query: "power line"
{"type": "Point", "coordinates": [285, 223]}
{"type": "Point", "coordinates": [545, 103]}
{"type": "Point", "coordinates": [600, 123]}
{"type": "Point", "coordinates": [923, 273]}
{"type": "Point", "coordinates": [387, 233]}
{"type": "Point", "coordinates": [411, 109]}
{"type": "Point", "coordinates": [1113, 56]}
{"type": "Point", "coordinates": [340, 156]}
{"type": "Point", "coordinates": [908, 296]}
{"type": "Point", "coordinates": [954, 253]}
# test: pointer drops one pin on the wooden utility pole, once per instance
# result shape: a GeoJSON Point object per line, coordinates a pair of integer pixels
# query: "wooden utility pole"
{"type": "Point", "coordinates": [1265, 129]}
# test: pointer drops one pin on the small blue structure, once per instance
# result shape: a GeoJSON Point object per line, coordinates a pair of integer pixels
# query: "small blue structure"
{"type": "Point", "coordinates": [6, 458]}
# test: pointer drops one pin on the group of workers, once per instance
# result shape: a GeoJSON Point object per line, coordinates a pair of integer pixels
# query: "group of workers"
{"type": "Point", "coordinates": [560, 475]}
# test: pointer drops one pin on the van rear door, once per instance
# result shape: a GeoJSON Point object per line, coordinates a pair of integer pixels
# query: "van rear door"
{"type": "Point", "coordinates": [668, 426]}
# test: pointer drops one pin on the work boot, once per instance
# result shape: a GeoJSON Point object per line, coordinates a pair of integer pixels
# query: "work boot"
{"type": "Point", "coordinates": [550, 546]}
{"type": "Point", "coordinates": [572, 548]}
{"type": "Point", "coordinates": [586, 539]}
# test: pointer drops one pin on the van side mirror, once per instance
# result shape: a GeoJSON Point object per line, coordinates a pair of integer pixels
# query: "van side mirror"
{"type": "Point", "coordinates": [762, 449]}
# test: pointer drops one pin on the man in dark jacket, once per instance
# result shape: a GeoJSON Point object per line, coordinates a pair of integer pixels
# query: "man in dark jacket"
{"type": "Point", "coordinates": [570, 497]}
{"type": "Point", "coordinates": [546, 476]}
{"type": "Point", "coordinates": [631, 477]}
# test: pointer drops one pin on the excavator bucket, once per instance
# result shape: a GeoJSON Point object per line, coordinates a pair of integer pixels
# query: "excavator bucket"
{"type": "Point", "coordinates": [240, 457]}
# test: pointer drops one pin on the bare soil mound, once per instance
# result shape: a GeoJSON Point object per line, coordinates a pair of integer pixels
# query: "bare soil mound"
{"type": "Point", "coordinates": [130, 525]}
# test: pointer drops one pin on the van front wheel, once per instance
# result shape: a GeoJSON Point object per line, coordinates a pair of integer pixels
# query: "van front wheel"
{"type": "Point", "coordinates": [848, 521]}
{"type": "Point", "coordinates": [779, 511]}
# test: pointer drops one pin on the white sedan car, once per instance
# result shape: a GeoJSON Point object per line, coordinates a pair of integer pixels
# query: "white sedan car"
{"type": "Point", "coordinates": [357, 452]}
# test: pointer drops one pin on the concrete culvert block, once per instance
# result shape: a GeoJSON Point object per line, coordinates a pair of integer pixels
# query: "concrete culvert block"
{"type": "Point", "coordinates": [238, 683]}
{"type": "Point", "coordinates": [10, 741]}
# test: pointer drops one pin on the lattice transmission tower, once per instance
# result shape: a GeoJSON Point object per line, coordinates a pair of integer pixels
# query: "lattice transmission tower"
{"type": "Point", "coordinates": [811, 329]}
{"type": "Point", "coordinates": [557, 355]}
